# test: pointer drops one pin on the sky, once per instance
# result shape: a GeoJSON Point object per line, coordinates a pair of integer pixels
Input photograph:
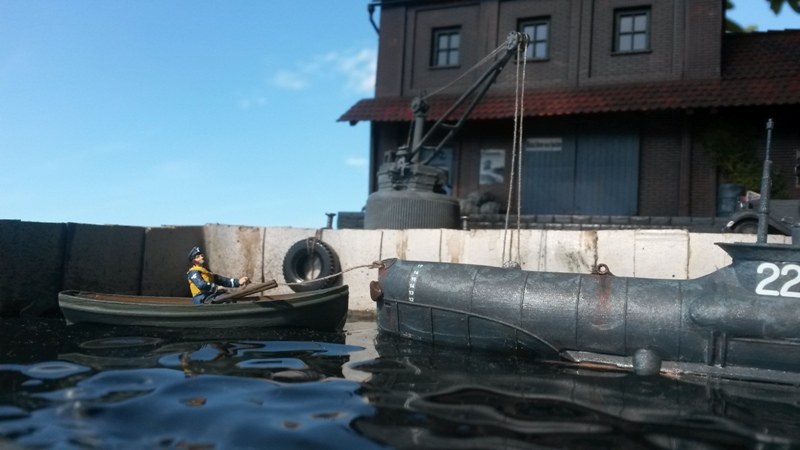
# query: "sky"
{"type": "Point", "coordinates": [189, 112]}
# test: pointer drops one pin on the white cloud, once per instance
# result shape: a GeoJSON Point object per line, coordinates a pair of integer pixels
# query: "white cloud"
{"type": "Point", "coordinates": [356, 67]}
{"type": "Point", "coordinates": [294, 81]}
{"type": "Point", "coordinates": [356, 162]}
{"type": "Point", "coordinates": [359, 69]}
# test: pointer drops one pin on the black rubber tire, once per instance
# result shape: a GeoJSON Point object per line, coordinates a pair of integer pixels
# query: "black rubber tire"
{"type": "Point", "coordinates": [746, 227]}
{"type": "Point", "coordinates": [301, 261]}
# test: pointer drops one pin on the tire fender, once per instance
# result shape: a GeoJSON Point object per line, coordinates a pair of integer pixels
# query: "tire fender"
{"type": "Point", "coordinates": [308, 254]}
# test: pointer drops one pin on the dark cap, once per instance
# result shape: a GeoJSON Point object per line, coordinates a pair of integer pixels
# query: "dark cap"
{"type": "Point", "coordinates": [194, 252]}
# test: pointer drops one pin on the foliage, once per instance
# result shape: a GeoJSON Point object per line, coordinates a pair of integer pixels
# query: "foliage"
{"type": "Point", "coordinates": [775, 5]}
{"type": "Point", "coordinates": [732, 146]}
{"type": "Point", "coordinates": [731, 150]}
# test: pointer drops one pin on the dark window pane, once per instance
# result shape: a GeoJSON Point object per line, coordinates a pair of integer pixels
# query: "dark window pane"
{"type": "Point", "coordinates": [541, 32]}
{"type": "Point", "coordinates": [639, 42]}
{"type": "Point", "coordinates": [640, 23]}
{"type": "Point", "coordinates": [625, 24]}
{"type": "Point", "coordinates": [625, 43]}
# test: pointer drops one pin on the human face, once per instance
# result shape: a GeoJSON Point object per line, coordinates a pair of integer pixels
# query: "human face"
{"type": "Point", "coordinates": [200, 259]}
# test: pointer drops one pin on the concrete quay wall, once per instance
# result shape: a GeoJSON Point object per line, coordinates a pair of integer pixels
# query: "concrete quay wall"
{"type": "Point", "coordinates": [37, 260]}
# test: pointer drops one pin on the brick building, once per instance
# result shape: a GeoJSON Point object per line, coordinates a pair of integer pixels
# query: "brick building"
{"type": "Point", "coordinates": [625, 101]}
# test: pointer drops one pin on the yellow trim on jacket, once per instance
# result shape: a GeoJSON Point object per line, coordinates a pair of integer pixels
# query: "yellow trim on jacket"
{"type": "Point", "coordinates": [208, 277]}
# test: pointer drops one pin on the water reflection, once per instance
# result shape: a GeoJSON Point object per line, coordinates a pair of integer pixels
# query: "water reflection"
{"type": "Point", "coordinates": [429, 397]}
{"type": "Point", "coordinates": [108, 387]}
{"type": "Point", "coordinates": [118, 387]}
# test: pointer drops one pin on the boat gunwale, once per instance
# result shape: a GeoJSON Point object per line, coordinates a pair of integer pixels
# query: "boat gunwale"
{"type": "Point", "coordinates": [99, 298]}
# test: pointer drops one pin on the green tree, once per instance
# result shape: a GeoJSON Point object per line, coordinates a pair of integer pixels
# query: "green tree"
{"type": "Point", "coordinates": [775, 5]}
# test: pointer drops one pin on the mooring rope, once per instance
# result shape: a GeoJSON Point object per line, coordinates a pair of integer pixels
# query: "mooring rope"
{"type": "Point", "coordinates": [516, 149]}
{"type": "Point", "coordinates": [372, 265]}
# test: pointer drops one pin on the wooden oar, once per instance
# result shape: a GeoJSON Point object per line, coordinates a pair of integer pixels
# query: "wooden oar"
{"type": "Point", "coordinates": [245, 291]}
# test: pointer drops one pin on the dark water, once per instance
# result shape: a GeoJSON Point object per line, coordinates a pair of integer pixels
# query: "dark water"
{"type": "Point", "coordinates": [114, 387]}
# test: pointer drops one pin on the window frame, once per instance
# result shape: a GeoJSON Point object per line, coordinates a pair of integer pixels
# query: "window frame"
{"type": "Point", "coordinates": [449, 50]}
{"type": "Point", "coordinates": [633, 13]}
{"type": "Point", "coordinates": [535, 22]}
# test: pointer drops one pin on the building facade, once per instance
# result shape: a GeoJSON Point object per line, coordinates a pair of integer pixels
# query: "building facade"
{"type": "Point", "coordinates": [629, 107]}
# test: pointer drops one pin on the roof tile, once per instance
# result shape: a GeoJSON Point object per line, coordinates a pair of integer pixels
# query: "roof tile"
{"type": "Point", "coordinates": [757, 69]}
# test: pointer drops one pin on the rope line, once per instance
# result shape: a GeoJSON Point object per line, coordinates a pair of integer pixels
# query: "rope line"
{"type": "Point", "coordinates": [516, 148]}
{"type": "Point", "coordinates": [467, 72]}
{"type": "Point", "coordinates": [519, 142]}
{"type": "Point", "coordinates": [372, 265]}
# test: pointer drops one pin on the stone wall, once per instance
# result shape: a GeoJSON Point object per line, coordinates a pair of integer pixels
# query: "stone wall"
{"type": "Point", "coordinates": [37, 260]}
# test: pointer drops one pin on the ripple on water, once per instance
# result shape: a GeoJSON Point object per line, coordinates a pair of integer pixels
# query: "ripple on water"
{"type": "Point", "coordinates": [121, 342]}
{"type": "Point", "coordinates": [53, 370]}
{"type": "Point", "coordinates": [213, 411]}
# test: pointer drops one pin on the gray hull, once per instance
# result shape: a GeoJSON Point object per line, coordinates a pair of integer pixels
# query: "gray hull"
{"type": "Point", "coordinates": [742, 321]}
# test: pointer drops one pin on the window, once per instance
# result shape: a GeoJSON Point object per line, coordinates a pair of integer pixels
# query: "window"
{"type": "Point", "coordinates": [538, 31]}
{"type": "Point", "coordinates": [446, 44]}
{"type": "Point", "coordinates": [633, 31]}
{"type": "Point", "coordinates": [493, 166]}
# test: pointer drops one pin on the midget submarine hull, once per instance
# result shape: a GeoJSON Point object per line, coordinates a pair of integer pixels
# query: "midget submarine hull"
{"type": "Point", "coordinates": [741, 321]}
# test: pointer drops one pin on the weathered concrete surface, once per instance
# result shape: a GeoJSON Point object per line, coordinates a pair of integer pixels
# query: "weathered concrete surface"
{"type": "Point", "coordinates": [31, 263]}
{"type": "Point", "coordinates": [104, 258]}
{"type": "Point", "coordinates": [166, 261]}
{"type": "Point", "coordinates": [235, 251]}
{"type": "Point", "coordinates": [615, 249]}
{"type": "Point", "coordinates": [661, 254]}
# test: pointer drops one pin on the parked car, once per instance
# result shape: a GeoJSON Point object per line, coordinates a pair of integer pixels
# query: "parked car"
{"type": "Point", "coordinates": [783, 214]}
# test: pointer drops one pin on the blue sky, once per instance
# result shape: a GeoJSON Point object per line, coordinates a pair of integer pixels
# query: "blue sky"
{"type": "Point", "coordinates": [187, 112]}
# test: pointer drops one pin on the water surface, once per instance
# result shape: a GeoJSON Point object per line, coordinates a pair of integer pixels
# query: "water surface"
{"type": "Point", "coordinates": [120, 387]}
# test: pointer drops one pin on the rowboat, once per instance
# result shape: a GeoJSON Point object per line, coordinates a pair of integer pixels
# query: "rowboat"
{"type": "Point", "coordinates": [323, 309]}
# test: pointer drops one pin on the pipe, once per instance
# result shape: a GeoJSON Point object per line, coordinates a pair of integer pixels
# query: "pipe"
{"type": "Point", "coordinates": [766, 185]}
{"type": "Point", "coordinates": [371, 10]}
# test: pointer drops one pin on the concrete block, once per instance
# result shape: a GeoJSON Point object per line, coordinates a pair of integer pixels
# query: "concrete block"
{"type": "Point", "coordinates": [415, 245]}
{"type": "Point", "coordinates": [581, 219]}
{"type": "Point", "coordinates": [661, 254]}
{"type": "Point", "coordinates": [104, 258]}
{"type": "Point", "coordinates": [357, 248]}
{"type": "Point", "coordinates": [660, 221]}
{"type": "Point", "coordinates": [616, 249]}
{"type": "Point", "coordinates": [166, 261]}
{"type": "Point", "coordinates": [482, 247]}
{"type": "Point", "coordinates": [568, 251]}
{"type": "Point", "coordinates": [235, 251]}
{"type": "Point", "coordinates": [620, 220]}
{"type": "Point", "coordinates": [532, 248]}
{"type": "Point", "coordinates": [31, 267]}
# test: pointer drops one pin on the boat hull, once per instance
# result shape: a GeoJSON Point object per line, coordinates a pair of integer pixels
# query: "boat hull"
{"type": "Point", "coordinates": [324, 310]}
{"type": "Point", "coordinates": [719, 324]}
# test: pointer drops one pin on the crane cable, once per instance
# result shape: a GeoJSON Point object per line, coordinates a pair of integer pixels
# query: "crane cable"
{"type": "Point", "coordinates": [486, 59]}
{"type": "Point", "coordinates": [516, 148]}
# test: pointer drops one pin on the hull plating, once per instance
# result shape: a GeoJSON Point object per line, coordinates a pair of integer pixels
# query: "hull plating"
{"type": "Point", "coordinates": [741, 321]}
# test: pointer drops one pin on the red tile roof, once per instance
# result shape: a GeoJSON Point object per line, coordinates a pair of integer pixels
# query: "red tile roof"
{"type": "Point", "coordinates": [757, 69]}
